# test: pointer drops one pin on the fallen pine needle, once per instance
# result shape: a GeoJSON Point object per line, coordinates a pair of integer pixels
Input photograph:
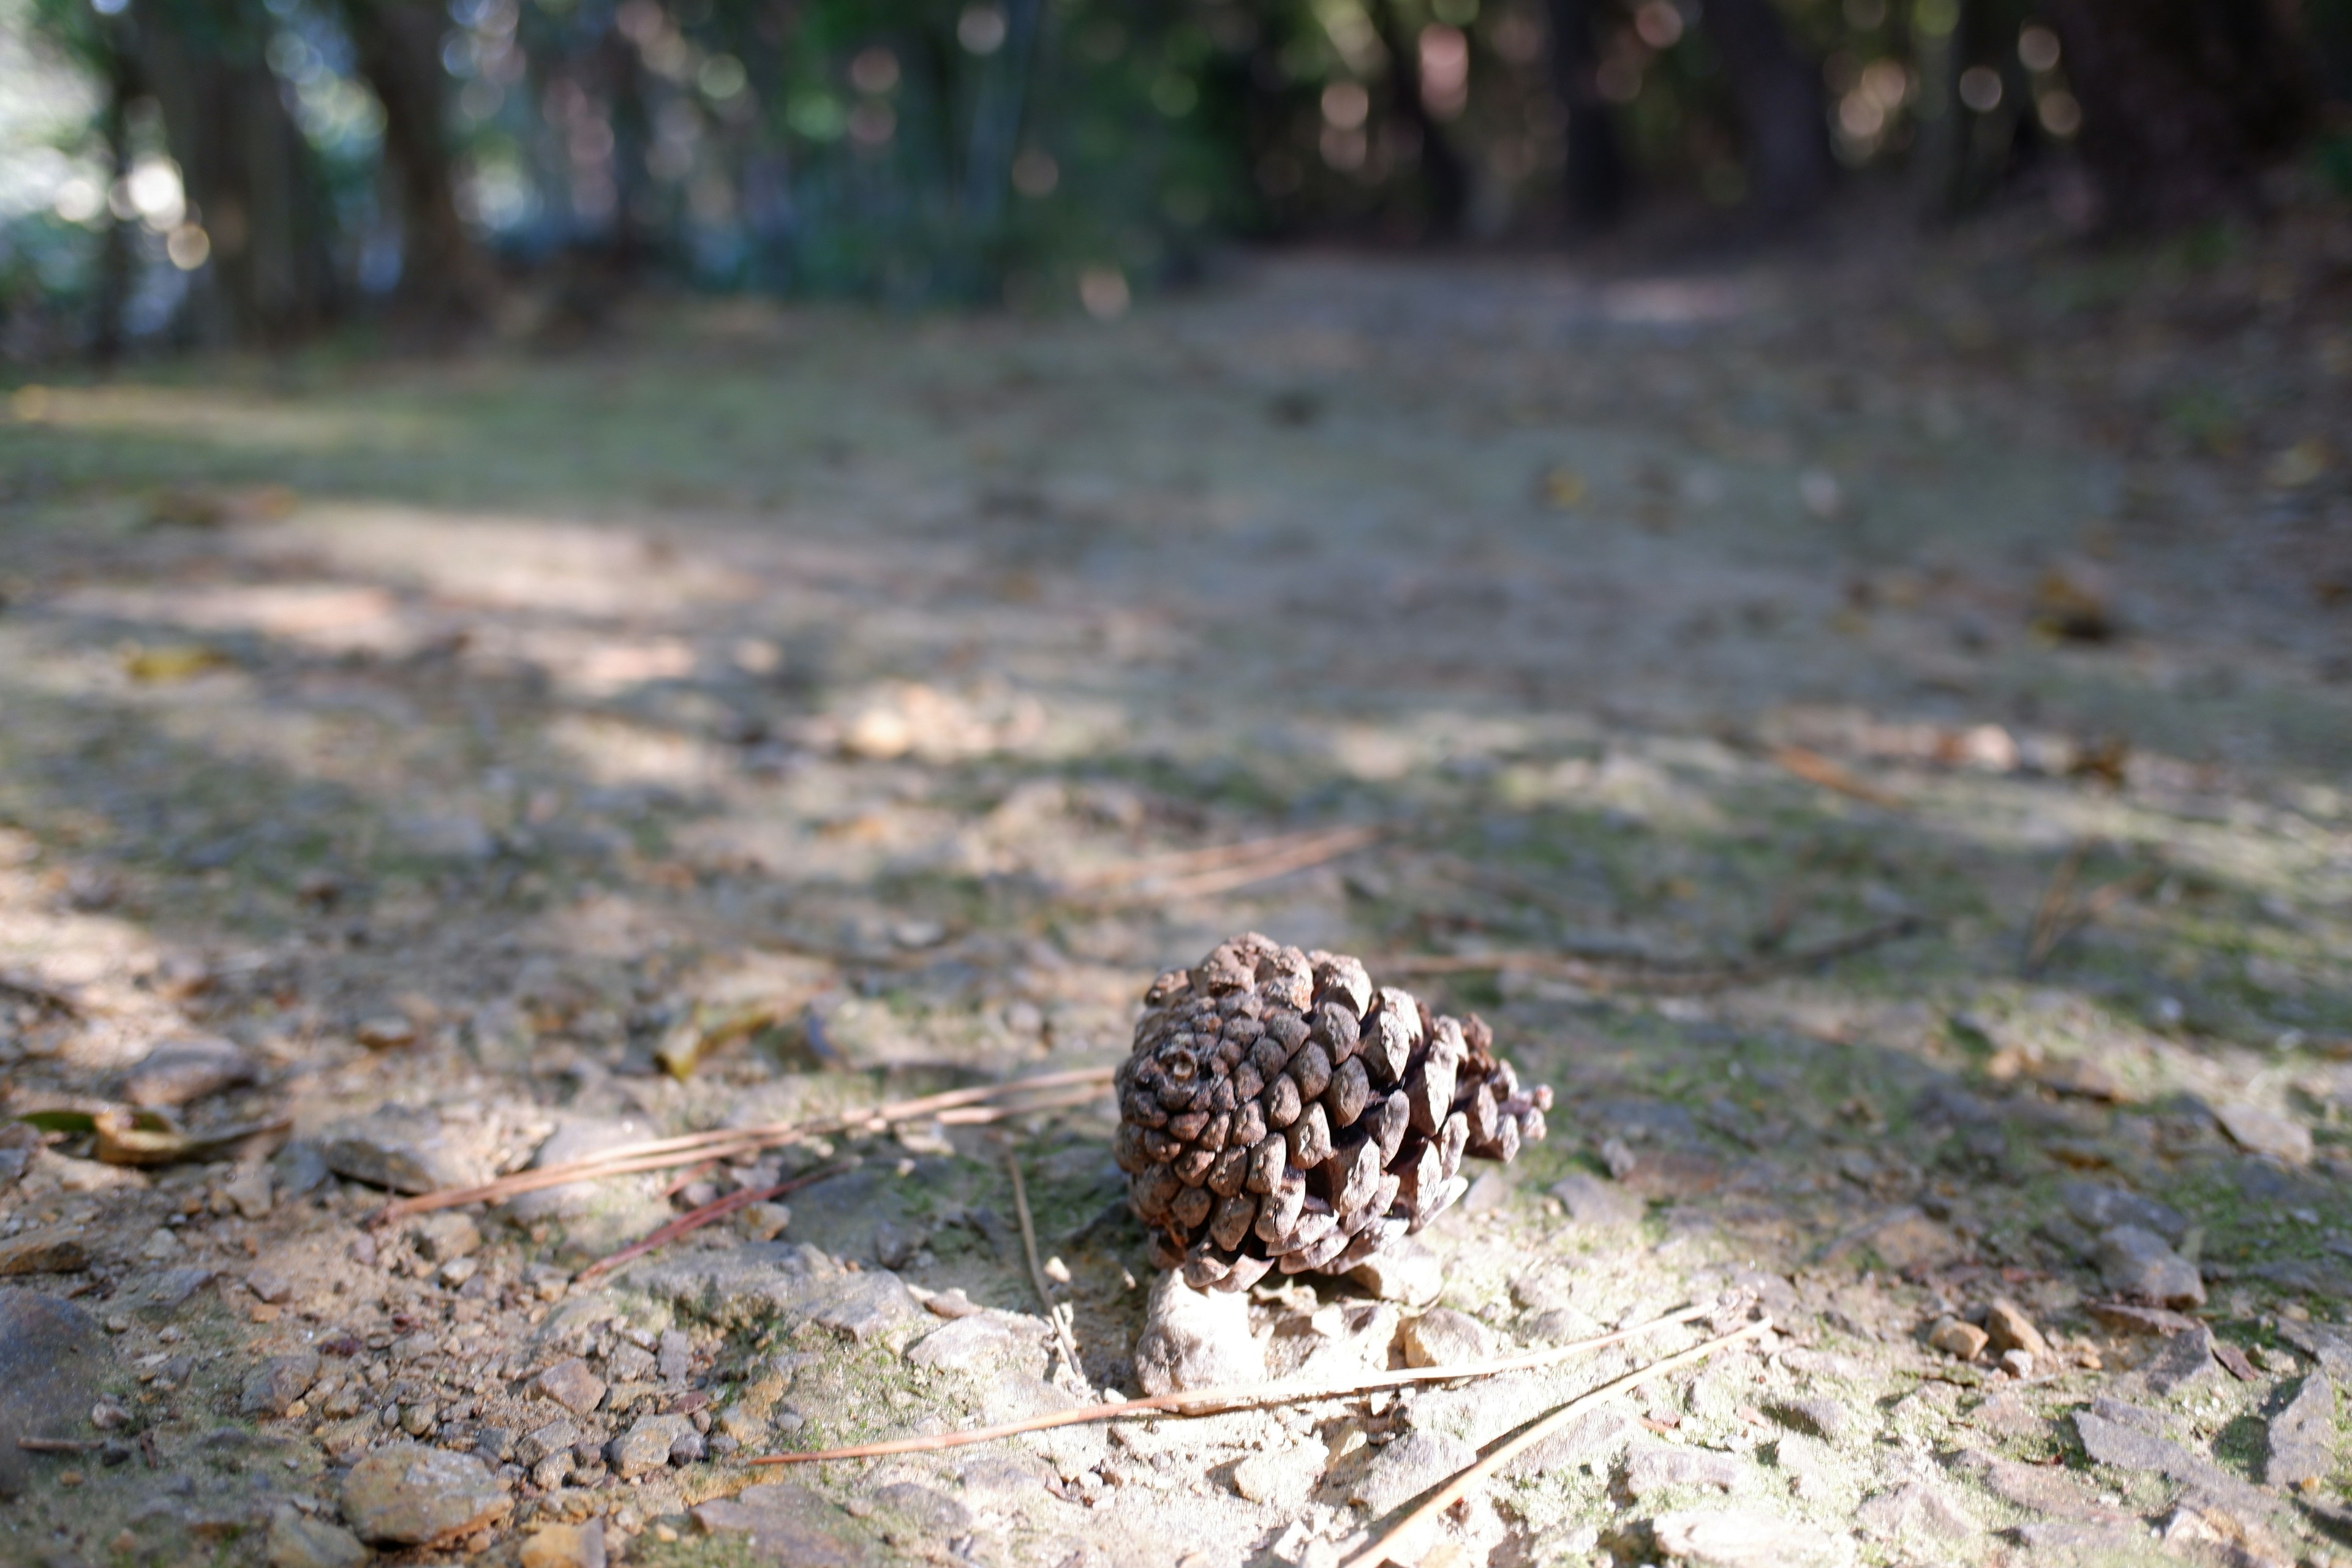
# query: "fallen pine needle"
{"type": "Point", "coordinates": [1816, 769]}
{"type": "Point", "coordinates": [1054, 1313]}
{"type": "Point", "coordinates": [694, 1148]}
{"type": "Point", "coordinates": [719, 1208]}
{"type": "Point", "coordinates": [1404, 1536]}
{"type": "Point", "coordinates": [1236, 1396]}
{"type": "Point", "coordinates": [1196, 873]}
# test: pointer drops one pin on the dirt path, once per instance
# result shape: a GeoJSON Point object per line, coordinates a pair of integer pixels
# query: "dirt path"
{"type": "Point", "coordinates": [459, 737]}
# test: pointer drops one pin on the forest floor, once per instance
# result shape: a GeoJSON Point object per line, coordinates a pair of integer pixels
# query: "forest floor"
{"type": "Point", "coordinates": [459, 735]}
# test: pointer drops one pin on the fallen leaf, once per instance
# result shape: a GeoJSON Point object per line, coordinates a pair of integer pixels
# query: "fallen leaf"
{"type": "Point", "coordinates": [172, 661]}
{"type": "Point", "coordinates": [1816, 769]}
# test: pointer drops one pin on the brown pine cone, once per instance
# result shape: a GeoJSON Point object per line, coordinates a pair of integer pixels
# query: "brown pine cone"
{"type": "Point", "coordinates": [1279, 1111]}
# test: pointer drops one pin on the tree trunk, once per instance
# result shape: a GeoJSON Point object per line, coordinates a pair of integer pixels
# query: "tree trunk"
{"type": "Point", "coordinates": [113, 294]}
{"type": "Point", "coordinates": [445, 281]}
{"type": "Point", "coordinates": [2184, 101]}
{"type": "Point", "coordinates": [1781, 108]}
{"type": "Point", "coordinates": [248, 172]}
{"type": "Point", "coordinates": [1444, 172]}
{"type": "Point", "coordinates": [1597, 182]}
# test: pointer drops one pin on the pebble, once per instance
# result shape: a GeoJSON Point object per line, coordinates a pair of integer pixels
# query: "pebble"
{"type": "Point", "coordinates": [2010, 1329]}
{"type": "Point", "coordinates": [934, 1515]}
{"type": "Point", "coordinates": [405, 1150]}
{"type": "Point", "coordinates": [764, 1222]}
{"type": "Point", "coordinates": [1596, 1203]}
{"type": "Point", "coordinates": [249, 1190]}
{"type": "Point", "coordinates": [1444, 1337]}
{"type": "Point", "coordinates": [2303, 1436]}
{"type": "Point", "coordinates": [2099, 1206]}
{"type": "Point", "coordinates": [574, 1137]}
{"type": "Point", "coordinates": [571, 1384]}
{"type": "Point", "coordinates": [42, 1252]}
{"type": "Point", "coordinates": [2182, 1360]}
{"type": "Point", "coordinates": [1957, 1339]}
{"type": "Point", "coordinates": [407, 1495]}
{"type": "Point", "coordinates": [1408, 1467]}
{"type": "Point", "coordinates": [1280, 1477]}
{"type": "Point", "coordinates": [566, 1546]}
{"type": "Point", "coordinates": [1743, 1537]}
{"type": "Point", "coordinates": [790, 1524]}
{"type": "Point", "coordinates": [1196, 1338]}
{"type": "Point", "coordinates": [1831, 1420]}
{"type": "Point", "coordinates": [2260, 1131]}
{"type": "Point", "coordinates": [2130, 1438]}
{"type": "Point", "coordinates": [277, 1382]}
{"type": "Point", "coordinates": [1660, 1465]}
{"type": "Point", "coordinates": [2140, 1264]}
{"type": "Point", "coordinates": [296, 1541]}
{"type": "Point", "coordinates": [1403, 1271]}
{"type": "Point", "coordinates": [983, 1339]}
{"type": "Point", "coordinates": [645, 1446]}
{"type": "Point", "coordinates": [1916, 1510]}
{"type": "Point", "coordinates": [270, 1282]}
{"type": "Point", "coordinates": [674, 1359]}
{"type": "Point", "coordinates": [555, 1437]}
{"type": "Point", "coordinates": [52, 1354]}
{"type": "Point", "coordinates": [177, 1071]}
{"type": "Point", "coordinates": [445, 1235]}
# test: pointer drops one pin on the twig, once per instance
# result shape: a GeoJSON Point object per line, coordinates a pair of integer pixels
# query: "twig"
{"type": "Point", "coordinates": [1816, 769]}
{"type": "Point", "coordinates": [693, 1148]}
{"type": "Point", "coordinates": [717, 1208]}
{"type": "Point", "coordinates": [1238, 1396]}
{"type": "Point", "coordinates": [1053, 1311]}
{"type": "Point", "coordinates": [1394, 1541]}
{"type": "Point", "coordinates": [2040, 936]}
{"type": "Point", "coordinates": [1664, 976]}
{"type": "Point", "coordinates": [687, 1177]}
{"type": "Point", "coordinates": [58, 1445]}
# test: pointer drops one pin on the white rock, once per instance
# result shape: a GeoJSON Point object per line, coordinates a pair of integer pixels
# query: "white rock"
{"type": "Point", "coordinates": [1196, 1339]}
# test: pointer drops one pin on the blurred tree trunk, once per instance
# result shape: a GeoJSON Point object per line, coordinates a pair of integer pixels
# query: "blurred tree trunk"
{"type": "Point", "coordinates": [1444, 172]}
{"type": "Point", "coordinates": [113, 295]}
{"type": "Point", "coordinates": [1597, 181]}
{"type": "Point", "coordinates": [2183, 102]}
{"type": "Point", "coordinates": [1781, 107]}
{"type": "Point", "coordinates": [249, 175]}
{"type": "Point", "coordinates": [445, 280]}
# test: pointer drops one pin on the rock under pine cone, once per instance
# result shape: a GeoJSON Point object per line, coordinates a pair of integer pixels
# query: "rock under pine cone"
{"type": "Point", "coordinates": [1279, 1111]}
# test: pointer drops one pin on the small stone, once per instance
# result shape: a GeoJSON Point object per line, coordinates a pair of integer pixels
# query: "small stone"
{"type": "Point", "coordinates": [571, 1384]}
{"type": "Point", "coordinates": [934, 1515]}
{"type": "Point", "coordinates": [51, 1356]}
{"type": "Point", "coordinates": [445, 1234]}
{"type": "Point", "coordinates": [2303, 1436]}
{"type": "Point", "coordinates": [1408, 1467]}
{"type": "Point", "coordinates": [163, 1244]}
{"type": "Point", "coordinates": [2182, 1361]}
{"type": "Point", "coordinates": [2010, 1329]}
{"type": "Point", "coordinates": [1403, 1271]}
{"type": "Point", "coordinates": [2100, 1206]}
{"type": "Point", "coordinates": [270, 1282]}
{"type": "Point", "coordinates": [1620, 1160]}
{"type": "Point", "coordinates": [1444, 1337]}
{"type": "Point", "coordinates": [407, 1495]}
{"type": "Point", "coordinates": [1916, 1510]}
{"type": "Point", "coordinates": [2138, 1263]}
{"type": "Point", "coordinates": [645, 1446]}
{"type": "Point", "coordinates": [42, 1252]}
{"type": "Point", "coordinates": [1595, 1204]}
{"type": "Point", "coordinates": [179, 1070]}
{"type": "Point", "coordinates": [249, 1191]}
{"type": "Point", "coordinates": [983, 1339]}
{"type": "Point", "coordinates": [1280, 1477]}
{"type": "Point", "coordinates": [1831, 1420]}
{"type": "Point", "coordinates": [405, 1150]}
{"type": "Point", "coordinates": [2019, 1365]}
{"type": "Point", "coordinates": [764, 1222]}
{"type": "Point", "coordinates": [566, 1546]}
{"type": "Point", "coordinates": [1656, 1467]}
{"type": "Point", "coordinates": [298, 1542]}
{"type": "Point", "coordinates": [791, 1525]}
{"type": "Point", "coordinates": [555, 1437]}
{"type": "Point", "coordinates": [1957, 1339]}
{"type": "Point", "coordinates": [1196, 1338]}
{"type": "Point", "coordinates": [674, 1357]}
{"type": "Point", "coordinates": [277, 1382]}
{"type": "Point", "coordinates": [388, 1032]}
{"type": "Point", "coordinates": [1743, 1537]}
{"type": "Point", "coordinates": [2260, 1131]}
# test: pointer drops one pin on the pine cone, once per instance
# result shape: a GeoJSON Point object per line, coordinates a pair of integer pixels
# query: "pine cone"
{"type": "Point", "coordinates": [1279, 1111]}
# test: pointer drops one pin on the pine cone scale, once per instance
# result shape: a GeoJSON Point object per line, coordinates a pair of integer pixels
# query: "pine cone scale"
{"type": "Point", "coordinates": [1279, 1110]}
